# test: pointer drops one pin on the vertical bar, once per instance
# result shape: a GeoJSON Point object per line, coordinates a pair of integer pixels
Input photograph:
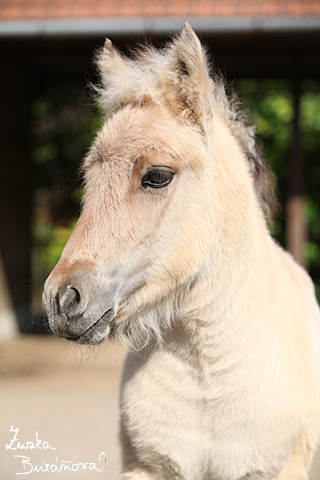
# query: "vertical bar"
{"type": "Point", "coordinates": [296, 225]}
{"type": "Point", "coordinates": [15, 177]}
{"type": "Point", "coordinates": [8, 321]}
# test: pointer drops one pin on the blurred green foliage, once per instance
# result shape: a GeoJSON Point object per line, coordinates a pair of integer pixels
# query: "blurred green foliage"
{"type": "Point", "coordinates": [271, 105]}
{"type": "Point", "coordinates": [65, 121]}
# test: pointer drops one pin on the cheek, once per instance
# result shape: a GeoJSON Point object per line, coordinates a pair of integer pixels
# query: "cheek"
{"type": "Point", "coordinates": [147, 213]}
{"type": "Point", "coordinates": [185, 236]}
{"type": "Point", "coordinates": [123, 222]}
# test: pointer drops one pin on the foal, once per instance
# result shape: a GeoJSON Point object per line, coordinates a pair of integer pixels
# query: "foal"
{"type": "Point", "coordinates": [172, 253]}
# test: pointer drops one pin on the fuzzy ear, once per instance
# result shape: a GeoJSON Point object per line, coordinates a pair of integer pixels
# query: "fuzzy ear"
{"type": "Point", "coordinates": [193, 81]}
{"type": "Point", "coordinates": [108, 61]}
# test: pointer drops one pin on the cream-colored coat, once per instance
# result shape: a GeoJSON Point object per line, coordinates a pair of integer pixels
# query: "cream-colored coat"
{"type": "Point", "coordinates": [223, 382]}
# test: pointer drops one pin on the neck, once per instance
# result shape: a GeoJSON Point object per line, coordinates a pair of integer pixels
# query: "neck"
{"type": "Point", "coordinates": [218, 315]}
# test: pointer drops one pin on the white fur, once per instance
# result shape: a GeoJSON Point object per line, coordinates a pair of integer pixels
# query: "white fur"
{"type": "Point", "coordinates": [224, 381]}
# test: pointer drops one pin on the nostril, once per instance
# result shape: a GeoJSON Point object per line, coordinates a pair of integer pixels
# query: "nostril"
{"type": "Point", "coordinates": [69, 302]}
{"type": "Point", "coordinates": [74, 294]}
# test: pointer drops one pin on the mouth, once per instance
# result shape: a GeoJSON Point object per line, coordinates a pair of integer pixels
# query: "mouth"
{"type": "Point", "coordinates": [97, 332]}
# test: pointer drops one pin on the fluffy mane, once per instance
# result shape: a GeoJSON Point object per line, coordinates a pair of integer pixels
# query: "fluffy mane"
{"type": "Point", "coordinates": [174, 76]}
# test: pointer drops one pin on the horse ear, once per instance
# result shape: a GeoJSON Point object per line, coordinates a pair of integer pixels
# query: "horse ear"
{"type": "Point", "coordinates": [192, 73]}
{"type": "Point", "coordinates": [109, 62]}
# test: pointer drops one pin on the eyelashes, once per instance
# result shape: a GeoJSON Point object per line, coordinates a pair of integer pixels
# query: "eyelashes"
{"type": "Point", "coordinates": [157, 178]}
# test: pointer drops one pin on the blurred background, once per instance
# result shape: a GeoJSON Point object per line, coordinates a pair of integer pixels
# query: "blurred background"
{"type": "Point", "coordinates": [269, 51]}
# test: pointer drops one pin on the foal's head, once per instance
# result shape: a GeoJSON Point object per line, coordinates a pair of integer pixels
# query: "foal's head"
{"type": "Point", "coordinates": [168, 181]}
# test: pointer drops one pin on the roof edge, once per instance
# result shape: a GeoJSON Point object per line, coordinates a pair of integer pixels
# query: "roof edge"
{"type": "Point", "coordinates": [157, 25]}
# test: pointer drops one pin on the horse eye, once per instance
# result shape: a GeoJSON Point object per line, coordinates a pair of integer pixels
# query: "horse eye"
{"type": "Point", "coordinates": [157, 179]}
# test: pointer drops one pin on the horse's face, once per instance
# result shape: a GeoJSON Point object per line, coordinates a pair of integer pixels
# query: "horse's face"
{"type": "Point", "coordinates": [167, 189]}
{"type": "Point", "coordinates": [139, 235]}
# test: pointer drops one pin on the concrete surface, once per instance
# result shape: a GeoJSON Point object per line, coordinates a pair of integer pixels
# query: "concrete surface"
{"type": "Point", "coordinates": [8, 320]}
{"type": "Point", "coordinates": [69, 395]}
